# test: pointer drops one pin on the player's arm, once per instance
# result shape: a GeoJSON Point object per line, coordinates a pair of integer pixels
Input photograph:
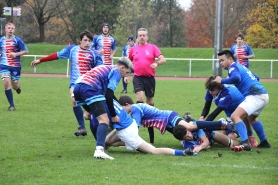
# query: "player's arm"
{"type": "Point", "coordinates": [233, 79]}
{"type": "Point", "coordinates": [112, 54]}
{"type": "Point", "coordinates": [16, 54]}
{"type": "Point", "coordinates": [53, 56]}
{"type": "Point", "coordinates": [205, 110]}
{"type": "Point", "coordinates": [204, 145]}
{"type": "Point", "coordinates": [109, 101]}
{"type": "Point", "coordinates": [214, 114]}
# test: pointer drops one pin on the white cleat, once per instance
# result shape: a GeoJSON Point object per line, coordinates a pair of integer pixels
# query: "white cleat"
{"type": "Point", "coordinates": [100, 154]}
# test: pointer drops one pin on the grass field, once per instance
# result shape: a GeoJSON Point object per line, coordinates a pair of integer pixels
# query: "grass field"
{"type": "Point", "coordinates": [38, 145]}
{"type": "Point", "coordinates": [170, 68]}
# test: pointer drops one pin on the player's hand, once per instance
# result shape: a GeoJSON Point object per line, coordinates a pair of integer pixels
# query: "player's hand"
{"type": "Point", "coordinates": [13, 55]}
{"type": "Point", "coordinates": [100, 52]}
{"type": "Point", "coordinates": [197, 149]}
{"type": "Point", "coordinates": [202, 118]}
{"type": "Point", "coordinates": [217, 79]}
{"type": "Point", "coordinates": [35, 63]}
{"type": "Point", "coordinates": [87, 115]}
{"type": "Point", "coordinates": [126, 79]}
{"type": "Point", "coordinates": [111, 57]}
{"type": "Point", "coordinates": [116, 119]}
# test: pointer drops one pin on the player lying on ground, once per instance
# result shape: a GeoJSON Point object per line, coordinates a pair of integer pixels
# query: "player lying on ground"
{"type": "Point", "coordinates": [199, 140]}
{"type": "Point", "coordinates": [126, 134]}
{"type": "Point", "coordinates": [149, 116]}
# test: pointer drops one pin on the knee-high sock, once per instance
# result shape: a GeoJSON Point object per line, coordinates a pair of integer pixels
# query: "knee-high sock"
{"type": "Point", "coordinates": [242, 131]}
{"type": "Point", "coordinates": [211, 125]}
{"type": "Point", "coordinates": [124, 84]}
{"type": "Point", "coordinates": [102, 131]}
{"type": "Point", "coordinates": [9, 95]}
{"type": "Point", "coordinates": [151, 134]}
{"type": "Point", "coordinates": [259, 129]}
{"type": "Point", "coordinates": [94, 126]}
{"type": "Point", "coordinates": [249, 132]}
{"type": "Point", "coordinates": [78, 112]}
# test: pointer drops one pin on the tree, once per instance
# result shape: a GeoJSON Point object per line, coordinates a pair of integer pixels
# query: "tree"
{"type": "Point", "coordinates": [44, 10]}
{"type": "Point", "coordinates": [169, 17]}
{"type": "Point", "coordinates": [137, 14]}
{"type": "Point", "coordinates": [84, 14]}
{"type": "Point", "coordinates": [200, 22]}
{"type": "Point", "coordinates": [263, 20]}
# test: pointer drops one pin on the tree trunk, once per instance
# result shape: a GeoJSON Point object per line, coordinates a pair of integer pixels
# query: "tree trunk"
{"type": "Point", "coordinates": [41, 27]}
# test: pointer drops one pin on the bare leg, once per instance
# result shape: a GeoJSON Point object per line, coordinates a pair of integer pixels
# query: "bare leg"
{"type": "Point", "coordinates": [148, 148]}
{"type": "Point", "coordinates": [225, 140]}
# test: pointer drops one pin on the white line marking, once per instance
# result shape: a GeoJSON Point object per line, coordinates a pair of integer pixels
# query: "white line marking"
{"type": "Point", "coordinates": [225, 166]}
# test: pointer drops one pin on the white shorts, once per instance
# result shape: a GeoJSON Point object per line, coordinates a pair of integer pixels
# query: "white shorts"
{"type": "Point", "coordinates": [130, 136]}
{"type": "Point", "coordinates": [254, 104]}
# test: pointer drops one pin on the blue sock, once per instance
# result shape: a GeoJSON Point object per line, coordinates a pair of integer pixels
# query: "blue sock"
{"type": "Point", "coordinates": [102, 131]}
{"type": "Point", "coordinates": [249, 132]}
{"type": "Point", "coordinates": [259, 129]}
{"type": "Point", "coordinates": [124, 84]}
{"type": "Point", "coordinates": [9, 95]}
{"type": "Point", "coordinates": [209, 124]}
{"type": "Point", "coordinates": [179, 152]}
{"type": "Point", "coordinates": [94, 126]}
{"type": "Point", "coordinates": [78, 112]}
{"type": "Point", "coordinates": [241, 128]}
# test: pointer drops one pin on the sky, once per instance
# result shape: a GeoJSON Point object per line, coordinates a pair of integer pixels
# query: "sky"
{"type": "Point", "coordinates": [185, 3]}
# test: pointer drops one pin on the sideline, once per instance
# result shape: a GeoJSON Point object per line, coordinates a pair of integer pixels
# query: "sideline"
{"type": "Point", "coordinates": [157, 77]}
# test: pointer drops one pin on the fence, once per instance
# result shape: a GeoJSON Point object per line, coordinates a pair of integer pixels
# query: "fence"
{"type": "Point", "coordinates": [182, 67]}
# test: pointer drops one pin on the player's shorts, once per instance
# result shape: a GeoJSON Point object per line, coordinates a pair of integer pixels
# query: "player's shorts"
{"type": "Point", "coordinates": [254, 104]}
{"type": "Point", "coordinates": [10, 72]}
{"type": "Point", "coordinates": [147, 84]}
{"type": "Point", "coordinates": [130, 136]}
{"type": "Point", "coordinates": [173, 119]}
{"type": "Point", "coordinates": [86, 94]}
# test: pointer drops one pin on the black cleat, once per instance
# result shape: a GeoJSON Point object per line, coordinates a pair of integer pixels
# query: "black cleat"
{"type": "Point", "coordinates": [80, 132]}
{"type": "Point", "coordinates": [244, 145]}
{"type": "Point", "coordinates": [124, 92]}
{"type": "Point", "coordinates": [187, 117]}
{"type": "Point", "coordinates": [264, 144]}
{"type": "Point", "coordinates": [18, 91]}
{"type": "Point", "coordinates": [11, 108]}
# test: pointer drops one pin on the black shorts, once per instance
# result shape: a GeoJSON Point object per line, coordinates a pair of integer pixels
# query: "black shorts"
{"type": "Point", "coordinates": [97, 108]}
{"type": "Point", "coordinates": [147, 84]}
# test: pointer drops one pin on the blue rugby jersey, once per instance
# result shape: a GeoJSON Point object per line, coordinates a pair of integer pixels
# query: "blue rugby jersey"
{"type": "Point", "coordinates": [102, 77]}
{"type": "Point", "coordinates": [126, 50]}
{"type": "Point", "coordinates": [248, 84]}
{"type": "Point", "coordinates": [82, 60]}
{"type": "Point", "coordinates": [229, 98]}
{"type": "Point", "coordinates": [149, 116]}
{"type": "Point", "coordinates": [105, 43]}
{"type": "Point", "coordinates": [14, 44]}
{"type": "Point", "coordinates": [244, 50]}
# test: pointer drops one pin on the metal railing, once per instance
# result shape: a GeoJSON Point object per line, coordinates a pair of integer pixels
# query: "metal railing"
{"type": "Point", "coordinates": [174, 59]}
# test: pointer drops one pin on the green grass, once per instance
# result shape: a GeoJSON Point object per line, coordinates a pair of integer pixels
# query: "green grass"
{"type": "Point", "coordinates": [170, 68]}
{"type": "Point", "coordinates": [38, 146]}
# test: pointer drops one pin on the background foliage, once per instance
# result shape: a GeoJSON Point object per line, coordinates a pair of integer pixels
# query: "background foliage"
{"type": "Point", "coordinates": [61, 21]}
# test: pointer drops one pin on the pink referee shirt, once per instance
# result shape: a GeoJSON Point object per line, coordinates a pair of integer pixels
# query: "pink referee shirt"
{"type": "Point", "coordinates": [142, 57]}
